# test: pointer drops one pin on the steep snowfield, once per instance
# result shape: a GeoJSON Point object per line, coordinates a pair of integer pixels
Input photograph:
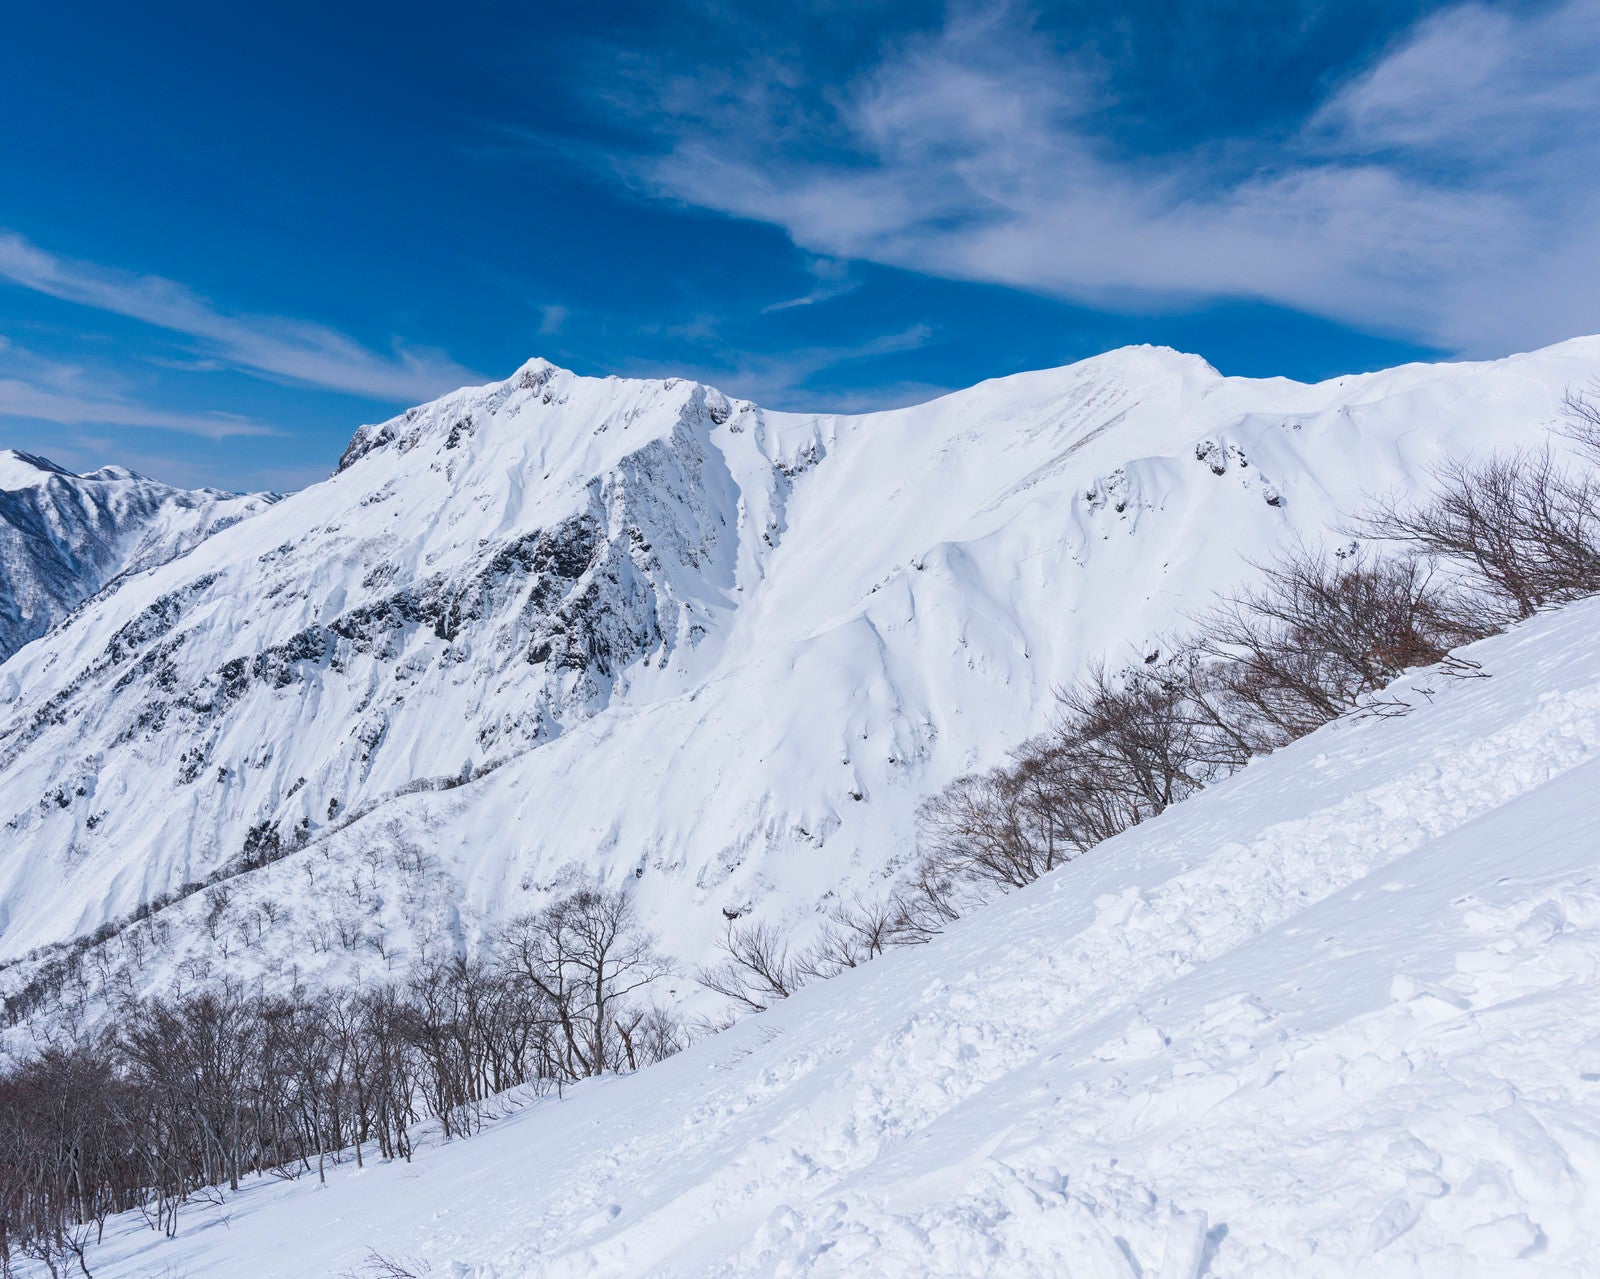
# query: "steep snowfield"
{"type": "Point", "coordinates": [64, 536]}
{"type": "Point", "coordinates": [634, 632]}
{"type": "Point", "coordinates": [1334, 1017]}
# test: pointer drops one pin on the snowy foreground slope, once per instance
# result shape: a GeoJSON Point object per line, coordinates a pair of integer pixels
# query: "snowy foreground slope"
{"type": "Point", "coordinates": [63, 536]}
{"type": "Point", "coordinates": [636, 633]}
{"type": "Point", "coordinates": [1336, 1016]}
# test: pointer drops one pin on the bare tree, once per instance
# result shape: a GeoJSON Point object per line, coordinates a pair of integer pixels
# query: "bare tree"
{"type": "Point", "coordinates": [996, 827]}
{"type": "Point", "coordinates": [197, 1090]}
{"type": "Point", "coordinates": [585, 956]}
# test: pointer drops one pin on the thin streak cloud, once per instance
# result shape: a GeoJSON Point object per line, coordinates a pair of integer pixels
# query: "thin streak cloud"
{"type": "Point", "coordinates": [19, 399]}
{"type": "Point", "coordinates": [294, 350]}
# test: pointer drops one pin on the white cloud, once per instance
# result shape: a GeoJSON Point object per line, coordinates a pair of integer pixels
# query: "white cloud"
{"type": "Point", "coordinates": [832, 280]}
{"type": "Point", "coordinates": [1447, 193]}
{"type": "Point", "coordinates": [21, 399]}
{"type": "Point", "coordinates": [39, 389]}
{"type": "Point", "coordinates": [294, 350]}
{"type": "Point", "coordinates": [1479, 84]}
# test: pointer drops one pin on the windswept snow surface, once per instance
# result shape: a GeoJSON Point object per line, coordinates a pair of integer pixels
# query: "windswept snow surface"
{"type": "Point", "coordinates": [63, 536]}
{"type": "Point", "coordinates": [1336, 1016]}
{"type": "Point", "coordinates": [635, 633]}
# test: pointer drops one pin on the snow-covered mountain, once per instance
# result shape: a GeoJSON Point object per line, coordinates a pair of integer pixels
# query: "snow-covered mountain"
{"type": "Point", "coordinates": [1333, 1017]}
{"type": "Point", "coordinates": [637, 632]}
{"type": "Point", "coordinates": [64, 536]}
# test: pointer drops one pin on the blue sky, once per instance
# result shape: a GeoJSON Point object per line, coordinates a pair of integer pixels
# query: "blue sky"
{"type": "Point", "coordinates": [229, 234]}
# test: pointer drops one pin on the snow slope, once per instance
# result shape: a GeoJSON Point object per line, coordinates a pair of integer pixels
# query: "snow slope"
{"type": "Point", "coordinates": [1336, 1016]}
{"type": "Point", "coordinates": [634, 632]}
{"type": "Point", "coordinates": [64, 536]}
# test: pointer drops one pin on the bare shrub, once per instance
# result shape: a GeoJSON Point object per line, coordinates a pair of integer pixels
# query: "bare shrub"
{"type": "Point", "coordinates": [855, 931]}
{"type": "Point", "coordinates": [652, 1035]}
{"type": "Point", "coordinates": [1320, 634]}
{"type": "Point", "coordinates": [997, 827]}
{"type": "Point", "coordinates": [1131, 734]}
{"type": "Point", "coordinates": [1523, 527]}
{"type": "Point", "coordinates": [1582, 425]}
{"type": "Point", "coordinates": [757, 969]}
{"type": "Point", "coordinates": [378, 1266]}
{"type": "Point", "coordinates": [1123, 747]}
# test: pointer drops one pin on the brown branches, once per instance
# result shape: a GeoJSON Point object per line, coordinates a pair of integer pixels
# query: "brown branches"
{"type": "Point", "coordinates": [1523, 528]}
{"type": "Point", "coordinates": [208, 1087]}
{"type": "Point", "coordinates": [580, 960]}
{"type": "Point", "coordinates": [1319, 634]}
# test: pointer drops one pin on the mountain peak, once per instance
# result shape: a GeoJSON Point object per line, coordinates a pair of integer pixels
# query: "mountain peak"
{"type": "Point", "coordinates": [22, 470]}
{"type": "Point", "coordinates": [785, 627]}
{"type": "Point", "coordinates": [117, 474]}
{"type": "Point", "coordinates": [587, 406]}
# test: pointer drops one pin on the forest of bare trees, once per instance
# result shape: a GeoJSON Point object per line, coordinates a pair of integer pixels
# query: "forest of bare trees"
{"type": "Point", "coordinates": [193, 1093]}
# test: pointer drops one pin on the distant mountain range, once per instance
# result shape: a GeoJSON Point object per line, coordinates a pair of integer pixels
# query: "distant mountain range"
{"type": "Point", "coordinates": [63, 537]}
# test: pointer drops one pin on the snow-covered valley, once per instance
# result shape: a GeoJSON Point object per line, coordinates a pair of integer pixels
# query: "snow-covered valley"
{"type": "Point", "coordinates": [929, 641]}
{"type": "Point", "coordinates": [1334, 1016]}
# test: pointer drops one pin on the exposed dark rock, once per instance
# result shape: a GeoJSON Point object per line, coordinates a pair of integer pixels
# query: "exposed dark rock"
{"type": "Point", "coordinates": [364, 441]}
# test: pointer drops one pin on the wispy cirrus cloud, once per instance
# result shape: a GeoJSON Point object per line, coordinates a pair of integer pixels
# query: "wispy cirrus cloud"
{"type": "Point", "coordinates": [831, 280]}
{"type": "Point", "coordinates": [275, 346]}
{"type": "Point", "coordinates": [21, 400]}
{"type": "Point", "coordinates": [36, 388]}
{"type": "Point", "coordinates": [1483, 85]}
{"type": "Point", "coordinates": [1449, 191]}
{"type": "Point", "coordinates": [551, 318]}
